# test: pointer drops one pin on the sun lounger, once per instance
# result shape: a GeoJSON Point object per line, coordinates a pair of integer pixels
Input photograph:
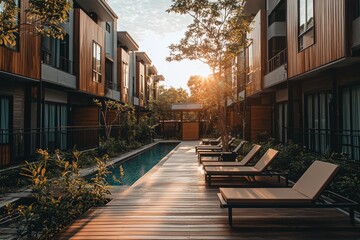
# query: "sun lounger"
{"type": "Point", "coordinates": [218, 147]}
{"type": "Point", "coordinates": [304, 194]}
{"type": "Point", "coordinates": [257, 170]}
{"type": "Point", "coordinates": [228, 157]}
{"type": "Point", "coordinates": [208, 141]}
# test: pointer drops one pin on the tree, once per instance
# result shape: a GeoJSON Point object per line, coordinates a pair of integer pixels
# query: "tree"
{"type": "Point", "coordinates": [167, 96]}
{"type": "Point", "coordinates": [215, 37]}
{"type": "Point", "coordinates": [45, 16]}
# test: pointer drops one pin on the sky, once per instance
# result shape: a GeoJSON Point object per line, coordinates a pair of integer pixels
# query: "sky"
{"type": "Point", "coordinates": [154, 30]}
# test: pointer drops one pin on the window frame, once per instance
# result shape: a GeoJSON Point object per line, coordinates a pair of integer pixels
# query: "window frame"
{"type": "Point", "coordinates": [308, 28]}
{"type": "Point", "coordinates": [97, 72]}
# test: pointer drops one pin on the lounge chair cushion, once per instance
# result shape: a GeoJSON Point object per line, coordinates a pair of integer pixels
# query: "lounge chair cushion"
{"type": "Point", "coordinates": [240, 170]}
{"type": "Point", "coordinates": [266, 159]}
{"type": "Point", "coordinates": [315, 179]}
{"type": "Point", "coordinates": [263, 196]}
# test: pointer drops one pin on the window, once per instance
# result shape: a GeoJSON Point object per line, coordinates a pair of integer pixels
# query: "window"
{"type": "Point", "coordinates": [96, 62]}
{"type": "Point", "coordinates": [55, 52]}
{"type": "Point", "coordinates": [281, 121]}
{"type": "Point", "coordinates": [17, 19]}
{"type": "Point", "coordinates": [141, 84]}
{"type": "Point", "coordinates": [357, 8]}
{"type": "Point", "coordinates": [64, 62]}
{"type": "Point", "coordinates": [279, 14]}
{"type": "Point", "coordinates": [55, 122]}
{"type": "Point", "coordinates": [126, 74]}
{"type": "Point", "coordinates": [317, 121]}
{"type": "Point", "coordinates": [108, 28]}
{"type": "Point", "coordinates": [306, 23]}
{"type": "Point", "coordinates": [351, 122]}
{"type": "Point", "coordinates": [4, 119]}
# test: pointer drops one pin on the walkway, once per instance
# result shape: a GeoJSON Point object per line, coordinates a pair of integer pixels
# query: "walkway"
{"type": "Point", "coordinates": [173, 202]}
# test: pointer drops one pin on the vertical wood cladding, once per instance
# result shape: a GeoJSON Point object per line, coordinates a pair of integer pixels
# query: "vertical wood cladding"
{"type": "Point", "coordinates": [16, 91]}
{"type": "Point", "coordinates": [258, 47]}
{"type": "Point", "coordinates": [85, 116]}
{"type": "Point", "coordinates": [26, 61]}
{"type": "Point", "coordinates": [190, 131]}
{"type": "Point", "coordinates": [123, 57]}
{"type": "Point", "coordinates": [87, 31]}
{"type": "Point", "coordinates": [329, 26]}
{"type": "Point", "coordinates": [260, 120]}
{"type": "Point", "coordinates": [140, 84]}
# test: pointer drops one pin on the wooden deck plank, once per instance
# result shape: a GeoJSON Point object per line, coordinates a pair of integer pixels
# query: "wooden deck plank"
{"type": "Point", "coordinates": [172, 201]}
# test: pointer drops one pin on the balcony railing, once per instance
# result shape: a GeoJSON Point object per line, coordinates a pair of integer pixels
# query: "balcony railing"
{"type": "Point", "coordinates": [346, 142]}
{"type": "Point", "coordinates": [61, 63]}
{"type": "Point", "coordinates": [277, 61]}
{"type": "Point", "coordinates": [19, 145]}
{"type": "Point", "coordinates": [112, 85]}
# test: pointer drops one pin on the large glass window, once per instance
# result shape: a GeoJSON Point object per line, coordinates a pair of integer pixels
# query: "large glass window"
{"type": "Point", "coordinates": [357, 8]}
{"type": "Point", "coordinates": [126, 74]}
{"type": "Point", "coordinates": [96, 62]}
{"type": "Point", "coordinates": [351, 122]}
{"type": "Point", "coordinates": [317, 121]}
{"type": "Point", "coordinates": [4, 119]}
{"type": "Point", "coordinates": [55, 52]}
{"type": "Point", "coordinates": [55, 122]}
{"type": "Point", "coordinates": [306, 23]}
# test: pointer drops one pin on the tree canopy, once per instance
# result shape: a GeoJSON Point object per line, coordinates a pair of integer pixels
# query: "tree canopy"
{"type": "Point", "coordinates": [45, 16]}
{"type": "Point", "coordinates": [215, 37]}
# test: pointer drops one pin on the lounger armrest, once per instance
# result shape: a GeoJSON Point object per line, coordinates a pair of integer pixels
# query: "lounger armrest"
{"type": "Point", "coordinates": [223, 203]}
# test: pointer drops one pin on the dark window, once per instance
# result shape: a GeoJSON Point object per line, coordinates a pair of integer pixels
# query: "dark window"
{"type": "Point", "coordinates": [351, 122]}
{"type": "Point", "coordinates": [357, 8]}
{"type": "Point", "coordinates": [317, 121]}
{"type": "Point", "coordinates": [278, 14]}
{"type": "Point", "coordinates": [281, 121]}
{"type": "Point", "coordinates": [306, 23]}
{"type": "Point", "coordinates": [276, 45]}
{"type": "Point", "coordinates": [108, 28]}
{"type": "Point", "coordinates": [55, 52]}
{"type": "Point", "coordinates": [55, 122]}
{"type": "Point", "coordinates": [96, 62]}
{"type": "Point", "coordinates": [4, 119]}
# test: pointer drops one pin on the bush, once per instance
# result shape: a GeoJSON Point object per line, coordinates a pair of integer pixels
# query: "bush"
{"type": "Point", "coordinates": [58, 202]}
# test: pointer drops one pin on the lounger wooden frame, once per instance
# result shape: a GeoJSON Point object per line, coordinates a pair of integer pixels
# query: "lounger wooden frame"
{"type": "Point", "coordinates": [219, 155]}
{"type": "Point", "coordinates": [259, 169]}
{"type": "Point", "coordinates": [307, 192]}
{"type": "Point", "coordinates": [320, 203]}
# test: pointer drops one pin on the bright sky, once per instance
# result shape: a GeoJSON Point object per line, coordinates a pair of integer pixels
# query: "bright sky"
{"type": "Point", "coordinates": [154, 30]}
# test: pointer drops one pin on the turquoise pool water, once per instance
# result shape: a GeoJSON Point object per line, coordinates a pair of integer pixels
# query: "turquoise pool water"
{"type": "Point", "coordinates": [136, 166]}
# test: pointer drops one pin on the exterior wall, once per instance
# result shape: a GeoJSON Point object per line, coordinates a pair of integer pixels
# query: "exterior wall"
{"type": "Point", "coordinates": [258, 47]}
{"type": "Point", "coordinates": [329, 27]}
{"type": "Point", "coordinates": [260, 120]}
{"type": "Point", "coordinates": [26, 61]}
{"type": "Point", "coordinates": [88, 32]}
{"type": "Point", "coordinates": [16, 91]}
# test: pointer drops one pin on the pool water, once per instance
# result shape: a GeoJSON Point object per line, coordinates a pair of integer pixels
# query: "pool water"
{"type": "Point", "coordinates": [136, 166]}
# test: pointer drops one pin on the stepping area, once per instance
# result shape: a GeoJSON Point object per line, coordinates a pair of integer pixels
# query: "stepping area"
{"type": "Point", "coordinates": [172, 201]}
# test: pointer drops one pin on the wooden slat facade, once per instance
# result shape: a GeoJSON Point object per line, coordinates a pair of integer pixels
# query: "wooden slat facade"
{"type": "Point", "coordinates": [27, 60]}
{"type": "Point", "coordinates": [172, 201]}
{"type": "Point", "coordinates": [190, 131]}
{"type": "Point", "coordinates": [258, 69]}
{"type": "Point", "coordinates": [329, 25]}
{"type": "Point", "coordinates": [87, 33]}
{"type": "Point", "coordinates": [123, 57]}
{"type": "Point", "coordinates": [260, 120]}
{"type": "Point", "coordinates": [140, 86]}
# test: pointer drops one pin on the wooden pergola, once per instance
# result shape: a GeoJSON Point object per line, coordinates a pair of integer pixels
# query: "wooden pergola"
{"type": "Point", "coordinates": [190, 130]}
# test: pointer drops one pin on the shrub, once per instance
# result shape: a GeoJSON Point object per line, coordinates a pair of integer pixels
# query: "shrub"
{"type": "Point", "coordinates": [62, 200]}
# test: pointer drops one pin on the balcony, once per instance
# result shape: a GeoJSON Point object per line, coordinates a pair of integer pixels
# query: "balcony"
{"type": "Point", "coordinates": [57, 70]}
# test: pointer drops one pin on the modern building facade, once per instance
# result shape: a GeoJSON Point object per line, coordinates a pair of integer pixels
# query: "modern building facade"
{"type": "Point", "coordinates": [47, 86]}
{"type": "Point", "coordinates": [301, 73]}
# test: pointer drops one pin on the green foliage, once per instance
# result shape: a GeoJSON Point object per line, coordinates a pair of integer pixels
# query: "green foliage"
{"type": "Point", "coordinates": [8, 22]}
{"type": "Point", "coordinates": [60, 201]}
{"type": "Point", "coordinates": [294, 160]}
{"type": "Point", "coordinates": [46, 16]}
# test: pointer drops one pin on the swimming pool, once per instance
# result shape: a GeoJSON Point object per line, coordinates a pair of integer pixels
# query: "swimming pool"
{"type": "Point", "coordinates": [135, 167]}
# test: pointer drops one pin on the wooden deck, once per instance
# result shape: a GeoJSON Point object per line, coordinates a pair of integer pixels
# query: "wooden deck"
{"type": "Point", "coordinates": [173, 202]}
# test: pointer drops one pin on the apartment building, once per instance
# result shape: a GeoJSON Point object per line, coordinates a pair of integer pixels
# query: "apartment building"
{"type": "Point", "coordinates": [301, 78]}
{"type": "Point", "coordinates": [47, 86]}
